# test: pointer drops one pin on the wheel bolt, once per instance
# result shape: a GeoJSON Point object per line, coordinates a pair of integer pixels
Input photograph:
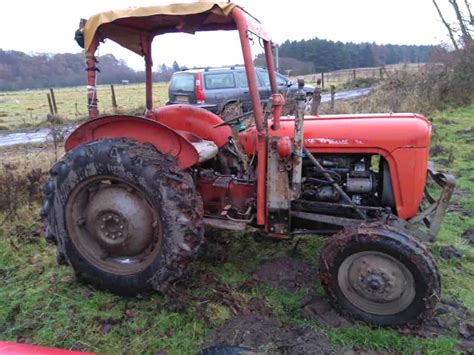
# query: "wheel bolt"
{"type": "Point", "coordinates": [114, 236]}
{"type": "Point", "coordinates": [119, 234]}
{"type": "Point", "coordinates": [121, 226]}
{"type": "Point", "coordinates": [102, 227]}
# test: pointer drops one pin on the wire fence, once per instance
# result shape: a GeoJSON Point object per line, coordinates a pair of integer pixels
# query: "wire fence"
{"type": "Point", "coordinates": [376, 73]}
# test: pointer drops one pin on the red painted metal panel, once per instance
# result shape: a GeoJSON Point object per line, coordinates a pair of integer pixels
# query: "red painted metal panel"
{"type": "Point", "coordinates": [219, 191]}
{"type": "Point", "coordinates": [143, 130]}
{"type": "Point", "coordinates": [384, 132]}
{"type": "Point", "coordinates": [195, 120]}
{"type": "Point", "coordinates": [17, 349]}
{"type": "Point", "coordinates": [408, 172]}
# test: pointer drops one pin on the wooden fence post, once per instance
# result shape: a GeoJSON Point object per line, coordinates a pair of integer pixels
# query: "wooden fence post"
{"type": "Point", "coordinates": [53, 99]}
{"type": "Point", "coordinates": [114, 99]}
{"type": "Point", "coordinates": [322, 81]}
{"type": "Point", "coordinates": [333, 97]}
{"type": "Point", "coordinates": [50, 103]}
{"type": "Point", "coordinates": [353, 74]}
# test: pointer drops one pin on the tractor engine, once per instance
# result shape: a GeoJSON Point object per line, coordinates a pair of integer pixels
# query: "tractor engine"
{"type": "Point", "coordinates": [352, 172]}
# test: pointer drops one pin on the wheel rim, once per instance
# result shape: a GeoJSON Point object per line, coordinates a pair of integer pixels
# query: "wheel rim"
{"type": "Point", "coordinates": [376, 283]}
{"type": "Point", "coordinates": [113, 225]}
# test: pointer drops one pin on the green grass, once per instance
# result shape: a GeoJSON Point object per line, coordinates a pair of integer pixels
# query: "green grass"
{"type": "Point", "coordinates": [29, 108]}
{"type": "Point", "coordinates": [41, 303]}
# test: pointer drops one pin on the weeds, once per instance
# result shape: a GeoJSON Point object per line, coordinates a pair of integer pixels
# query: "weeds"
{"type": "Point", "coordinates": [437, 87]}
{"type": "Point", "coordinates": [19, 188]}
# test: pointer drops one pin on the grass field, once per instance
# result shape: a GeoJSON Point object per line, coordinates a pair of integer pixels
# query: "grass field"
{"type": "Point", "coordinates": [21, 109]}
{"type": "Point", "coordinates": [42, 303]}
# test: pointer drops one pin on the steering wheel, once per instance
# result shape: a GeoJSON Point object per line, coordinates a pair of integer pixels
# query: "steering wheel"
{"type": "Point", "coordinates": [234, 121]}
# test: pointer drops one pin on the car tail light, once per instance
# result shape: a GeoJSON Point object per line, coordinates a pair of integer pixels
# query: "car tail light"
{"type": "Point", "coordinates": [200, 98]}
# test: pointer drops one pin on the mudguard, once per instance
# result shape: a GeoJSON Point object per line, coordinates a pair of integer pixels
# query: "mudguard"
{"type": "Point", "coordinates": [142, 130]}
{"type": "Point", "coordinates": [195, 120]}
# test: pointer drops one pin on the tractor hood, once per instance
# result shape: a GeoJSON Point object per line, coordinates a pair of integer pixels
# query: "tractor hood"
{"type": "Point", "coordinates": [378, 133]}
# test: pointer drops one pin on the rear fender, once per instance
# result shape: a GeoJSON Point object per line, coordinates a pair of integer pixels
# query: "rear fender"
{"type": "Point", "coordinates": [195, 120]}
{"type": "Point", "coordinates": [140, 129]}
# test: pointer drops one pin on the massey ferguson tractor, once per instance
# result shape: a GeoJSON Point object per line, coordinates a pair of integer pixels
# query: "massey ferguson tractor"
{"type": "Point", "coordinates": [129, 203]}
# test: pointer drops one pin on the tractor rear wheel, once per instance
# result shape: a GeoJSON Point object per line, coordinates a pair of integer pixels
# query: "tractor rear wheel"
{"type": "Point", "coordinates": [380, 275]}
{"type": "Point", "coordinates": [123, 215]}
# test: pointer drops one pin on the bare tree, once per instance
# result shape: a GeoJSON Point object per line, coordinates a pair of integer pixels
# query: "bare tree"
{"type": "Point", "coordinates": [471, 18]}
{"type": "Point", "coordinates": [466, 36]}
{"type": "Point", "coordinates": [447, 25]}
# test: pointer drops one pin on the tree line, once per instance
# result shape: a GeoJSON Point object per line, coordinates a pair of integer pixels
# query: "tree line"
{"type": "Point", "coordinates": [320, 55]}
{"type": "Point", "coordinates": [20, 71]}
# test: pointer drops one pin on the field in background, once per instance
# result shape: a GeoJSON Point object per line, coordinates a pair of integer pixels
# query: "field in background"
{"type": "Point", "coordinates": [29, 108]}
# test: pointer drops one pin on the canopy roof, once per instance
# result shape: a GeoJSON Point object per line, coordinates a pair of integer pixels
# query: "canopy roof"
{"type": "Point", "coordinates": [129, 26]}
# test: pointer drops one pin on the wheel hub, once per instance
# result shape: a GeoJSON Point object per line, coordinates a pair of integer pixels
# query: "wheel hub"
{"type": "Point", "coordinates": [120, 221]}
{"type": "Point", "coordinates": [113, 225]}
{"type": "Point", "coordinates": [376, 282]}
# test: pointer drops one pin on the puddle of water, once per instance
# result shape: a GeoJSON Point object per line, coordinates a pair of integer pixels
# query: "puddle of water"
{"type": "Point", "coordinates": [39, 135]}
{"type": "Point", "coordinates": [43, 134]}
{"type": "Point", "coordinates": [345, 95]}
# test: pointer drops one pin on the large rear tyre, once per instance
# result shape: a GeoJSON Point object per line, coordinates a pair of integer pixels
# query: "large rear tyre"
{"type": "Point", "coordinates": [123, 215]}
{"type": "Point", "coordinates": [379, 275]}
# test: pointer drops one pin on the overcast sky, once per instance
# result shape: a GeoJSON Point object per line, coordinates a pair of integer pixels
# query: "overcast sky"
{"type": "Point", "coordinates": [48, 26]}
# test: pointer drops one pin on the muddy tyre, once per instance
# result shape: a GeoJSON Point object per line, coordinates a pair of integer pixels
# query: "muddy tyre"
{"type": "Point", "coordinates": [123, 215]}
{"type": "Point", "coordinates": [379, 275]}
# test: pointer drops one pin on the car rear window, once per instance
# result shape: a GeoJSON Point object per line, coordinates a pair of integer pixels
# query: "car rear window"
{"type": "Point", "coordinates": [219, 81]}
{"type": "Point", "coordinates": [182, 82]}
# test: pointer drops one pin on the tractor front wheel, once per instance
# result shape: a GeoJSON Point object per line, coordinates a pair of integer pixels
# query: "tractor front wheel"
{"type": "Point", "coordinates": [123, 215]}
{"type": "Point", "coordinates": [380, 275]}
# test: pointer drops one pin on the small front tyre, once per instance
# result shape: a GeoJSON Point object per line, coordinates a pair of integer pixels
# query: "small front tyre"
{"type": "Point", "coordinates": [380, 275]}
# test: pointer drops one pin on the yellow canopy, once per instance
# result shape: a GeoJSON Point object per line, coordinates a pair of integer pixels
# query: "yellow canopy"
{"type": "Point", "coordinates": [127, 27]}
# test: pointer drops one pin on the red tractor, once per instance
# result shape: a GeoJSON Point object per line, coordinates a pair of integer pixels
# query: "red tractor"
{"type": "Point", "coordinates": [128, 204]}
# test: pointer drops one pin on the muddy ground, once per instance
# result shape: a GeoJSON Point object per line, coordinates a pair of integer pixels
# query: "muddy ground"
{"type": "Point", "coordinates": [256, 329]}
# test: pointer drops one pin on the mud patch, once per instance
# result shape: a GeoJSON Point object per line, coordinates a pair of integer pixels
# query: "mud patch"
{"type": "Point", "coordinates": [446, 121]}
{"type": "Point", "coordinates": [437, 150]}
{"type": "Point", "coordinates": [449, 252]}
{"type": "Point", "coordinates": [317, 308]}
{"type": "Point", "coordinates": [268, 335]}
{"type": "Point", "coordinates": [286, 273]}
{"type": "Point", "coordinates": [306, 341]}
{"type": "Point", "coordinates": [468, 235]}
{"type": "Point", "coordinates": [251, 331]}
{"type": "Point", "coordinates": [449, 315]}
